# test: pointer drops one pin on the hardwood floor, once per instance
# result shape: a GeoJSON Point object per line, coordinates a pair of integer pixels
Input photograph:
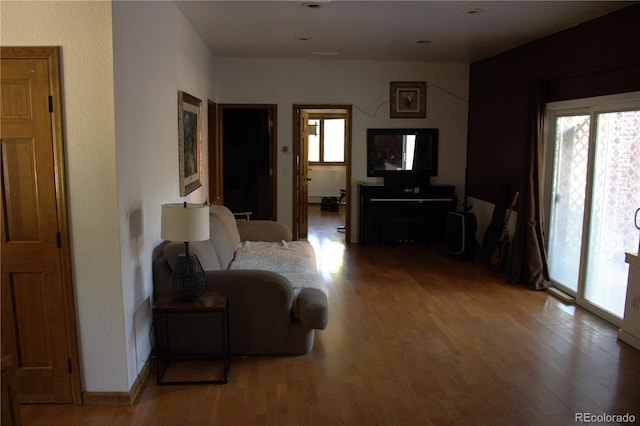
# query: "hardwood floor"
{"type": "Point", "coordinates": [414, 338]}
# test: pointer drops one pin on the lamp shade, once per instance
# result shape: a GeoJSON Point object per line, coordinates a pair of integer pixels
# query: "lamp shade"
{"type": "Point", "coordinates": [185, 222]}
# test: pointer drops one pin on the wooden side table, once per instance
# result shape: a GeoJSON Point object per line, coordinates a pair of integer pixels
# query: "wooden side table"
{"type": "Point", "coordinates": [211, 303]}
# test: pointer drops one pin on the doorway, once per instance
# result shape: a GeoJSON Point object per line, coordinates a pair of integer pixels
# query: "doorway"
{"type": "Point", "coordinates": [321, 171]}
{"type": "Point", "coordinates": [248, 138]}
{"type": "Point", "coordinates": [593, 194]}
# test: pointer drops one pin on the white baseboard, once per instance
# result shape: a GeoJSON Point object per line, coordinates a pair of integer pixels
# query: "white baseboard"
{"type": "Point", "coordinates": [629, 338]}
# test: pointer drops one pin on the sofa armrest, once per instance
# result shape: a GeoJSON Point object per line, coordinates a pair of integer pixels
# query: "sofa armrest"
{"type": "Point", "coordinates": [313, 309]}
{"type": "Point", "coordinates": [260, 306]}
{"type": "Point", "coordinates": [263, 230]}
{"type": "Point", "coordinates": [264, 290]}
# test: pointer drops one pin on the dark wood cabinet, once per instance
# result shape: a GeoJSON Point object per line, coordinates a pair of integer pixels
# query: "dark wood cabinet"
{"type": "Point", "coordinates": [404, 214]}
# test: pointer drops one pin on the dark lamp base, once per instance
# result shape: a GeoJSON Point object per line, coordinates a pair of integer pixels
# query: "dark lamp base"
{"type": "Point", "coordinates": [187, 279]}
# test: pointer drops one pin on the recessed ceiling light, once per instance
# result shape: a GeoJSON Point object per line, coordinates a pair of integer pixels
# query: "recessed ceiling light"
{"type": "Point", "coordinates": [475, 11]}
{"type": "Point", "coordinates": [313, 5]}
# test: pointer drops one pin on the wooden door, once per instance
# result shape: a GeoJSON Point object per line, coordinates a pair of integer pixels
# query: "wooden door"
{"type": "Point", "coordinates": [303, 175]}
{"type": "Point", "coordinates": [37, 303]}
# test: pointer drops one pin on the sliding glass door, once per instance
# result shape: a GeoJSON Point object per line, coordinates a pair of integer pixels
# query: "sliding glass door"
{"type": "Point", "coordinates": [615, 198]}
{"type": "Point", "coordinates": [593, 191]}
{"type": "Point", "coordinates": [571, 152]}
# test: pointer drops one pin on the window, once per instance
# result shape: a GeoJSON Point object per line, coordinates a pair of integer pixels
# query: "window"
{"type": "Point", "coordinates": [326, 138]}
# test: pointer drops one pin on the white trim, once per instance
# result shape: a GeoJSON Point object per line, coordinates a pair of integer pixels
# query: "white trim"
{"type": "Point", "coordinates": [629, 338]}
{"type": "Point", "coordinates": [621, 101]}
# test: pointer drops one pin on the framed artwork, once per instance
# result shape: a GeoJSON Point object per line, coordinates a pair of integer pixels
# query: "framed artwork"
{"type": "Point", "coordinates": [408, 99]}
{"type": "Point", "coordinates": [189, 142]}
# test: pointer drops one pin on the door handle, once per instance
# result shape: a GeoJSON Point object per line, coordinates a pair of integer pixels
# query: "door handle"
{"type": "Point", "coordinates": [308, 179]}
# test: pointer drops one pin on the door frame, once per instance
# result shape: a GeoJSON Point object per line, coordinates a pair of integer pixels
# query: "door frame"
{"type": "Point", "coordinates": [273, 141]}
{"type": "Point", "coordinates": [214, 154]}
{"type": "Point", "coordinates": [295, 176]}
{"type": "Point", "coordinates": [52, 55]}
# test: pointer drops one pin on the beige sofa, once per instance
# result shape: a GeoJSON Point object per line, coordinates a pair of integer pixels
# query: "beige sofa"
{"type": "Point", "coordinates": [276, 297]}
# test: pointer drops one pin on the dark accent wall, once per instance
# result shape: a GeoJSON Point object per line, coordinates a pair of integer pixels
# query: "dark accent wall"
{"type": "Point", "coordinates": [599, 57]}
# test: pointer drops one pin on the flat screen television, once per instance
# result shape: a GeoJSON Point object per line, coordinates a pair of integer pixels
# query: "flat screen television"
{"type": "Point", "coordinates": [402, 154]}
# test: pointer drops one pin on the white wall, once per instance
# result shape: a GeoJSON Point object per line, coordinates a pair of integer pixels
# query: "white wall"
{"type": "Point", "coordinates": [83, 30]}
{"type": "Point", "coordinates": [120, 76]}
{"type": "Point", "coordinates": [326, 181]}
{"type": "Point", "coordinates": [363, 84]}
{"type": "Point", "coordinates": [156, 53]}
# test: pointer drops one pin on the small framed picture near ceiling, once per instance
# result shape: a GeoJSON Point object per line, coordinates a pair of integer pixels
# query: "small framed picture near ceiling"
{"type": "Point", "coordinates": [408, 99]}
{"type": "Point", "coordinates": [189, 142]}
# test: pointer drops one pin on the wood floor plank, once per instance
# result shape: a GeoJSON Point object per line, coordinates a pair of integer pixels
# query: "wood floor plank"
{"type": "Point", "coordinates": [414, 338]}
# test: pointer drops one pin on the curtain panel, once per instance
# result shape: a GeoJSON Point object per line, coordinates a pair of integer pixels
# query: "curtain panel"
{"type": "Point", "coordinates": [527, 263]}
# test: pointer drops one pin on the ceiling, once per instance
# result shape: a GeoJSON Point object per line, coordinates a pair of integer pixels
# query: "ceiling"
{"type": "Point", "coordinates": [427, 31]}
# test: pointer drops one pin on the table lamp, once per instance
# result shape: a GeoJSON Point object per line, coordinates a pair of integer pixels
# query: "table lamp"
{"type": "Point", "coordinates": [186, 222]}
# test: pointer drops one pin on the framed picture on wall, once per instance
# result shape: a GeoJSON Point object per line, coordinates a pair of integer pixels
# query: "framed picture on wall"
{"type": "Point", "coordinates": [408, 99]}
{"type": "Point", "coordinates": [189, 142]}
